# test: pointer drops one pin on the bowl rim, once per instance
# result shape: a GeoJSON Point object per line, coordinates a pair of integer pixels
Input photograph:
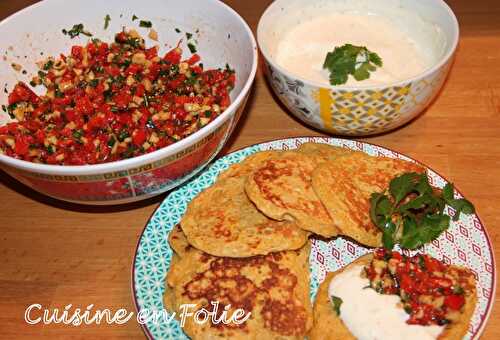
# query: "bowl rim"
{"type": "Point", "coordinates": [436, 66]}
{"type": "Point", "coordinates": [155, 155]}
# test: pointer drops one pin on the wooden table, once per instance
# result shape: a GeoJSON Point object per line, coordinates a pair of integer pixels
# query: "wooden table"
{"type": "Point", "coordinates": [54, 254]}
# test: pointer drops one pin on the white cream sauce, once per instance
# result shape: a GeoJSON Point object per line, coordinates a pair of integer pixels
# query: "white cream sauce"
{"type": "Point", "coordinates": [370, 315]}
{"type": "Point", "coordinates": [302, 50]}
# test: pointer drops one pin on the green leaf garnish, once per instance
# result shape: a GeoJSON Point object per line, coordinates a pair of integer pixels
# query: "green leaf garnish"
{"type": "Point", "coordinates": [336, 302]}
{"type": "Point", "coordinates": [353, 60]}
{"type": "Point", "coordinates": [134, 17]}
{"type": "Point", "coordinates": [380, 208]}
{"type": "Point", "coordinates": [412, 213]}
{"type": "Point", "coordinates": [107, 19]}
{"type": "Point", "coordinates": [401, 186]}
{"type": "Point", "coordinates": [460, 205]}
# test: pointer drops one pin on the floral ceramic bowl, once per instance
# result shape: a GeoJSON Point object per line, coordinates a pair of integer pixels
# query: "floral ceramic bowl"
{"type": "Point", "coordinates": [360, 110]}
{"type": "Point", "coordinates": [223, 37]}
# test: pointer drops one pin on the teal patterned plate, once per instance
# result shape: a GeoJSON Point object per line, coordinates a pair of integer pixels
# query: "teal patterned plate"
{"type": "Point", "coordinates": [465, 243]}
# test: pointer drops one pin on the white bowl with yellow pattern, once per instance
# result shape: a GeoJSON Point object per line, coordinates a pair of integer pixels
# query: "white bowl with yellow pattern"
{"type": "Point", "coordinates": [360, 109]}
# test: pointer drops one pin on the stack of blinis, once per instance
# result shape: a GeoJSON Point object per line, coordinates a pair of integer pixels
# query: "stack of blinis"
{"type": "Point", "coordinates": [244, 241]}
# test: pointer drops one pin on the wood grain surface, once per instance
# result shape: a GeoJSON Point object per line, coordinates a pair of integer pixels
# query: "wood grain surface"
{"type": "Point", "coordinates": [54, 253]}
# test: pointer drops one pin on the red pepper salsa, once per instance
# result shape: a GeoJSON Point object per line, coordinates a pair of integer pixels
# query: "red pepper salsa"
{"type": "Point", "coordinates": [431, 292]}
{"type": "Point", "coordinates": [107, 102]}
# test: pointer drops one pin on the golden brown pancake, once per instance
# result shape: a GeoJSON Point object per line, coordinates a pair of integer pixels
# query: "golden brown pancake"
{"type": "Point", "coordinates": [178, 241]}
{"type": "Point", "coordinates": [247, 166]}
{"type": "Point", "coordinates": [274, 288]}
{"type": "Point", "coordinates": [329, 326]}
{"type": "Point", "coordinates": [321, 152]}
{"type": "Point", "coordinates": [345, 185]}
{"type": "Point", "coordinates": [222, 221]}
{"type": "Point", "coordinates": [281, 188]}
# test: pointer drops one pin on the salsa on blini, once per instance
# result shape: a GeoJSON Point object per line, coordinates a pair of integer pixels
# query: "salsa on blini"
{"type": "Point", "coordinates": [432, 293]}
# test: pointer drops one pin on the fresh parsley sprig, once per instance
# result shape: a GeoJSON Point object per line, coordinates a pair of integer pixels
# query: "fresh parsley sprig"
{"type": "Point", "coordinates": [353, 60]}
{"type": "Point", "coordinates": [411, 213]}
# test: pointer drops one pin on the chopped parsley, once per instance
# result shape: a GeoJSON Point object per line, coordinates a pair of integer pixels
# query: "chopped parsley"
{"type": "Point", "coordinates": [336, 302]}
{"type": "Point", "coordinates": [189, 35]}
{"type": "Point", "coordinates": [353, 60]}
{"type": "Point", "coordinates": [138, 77]}
{"type": "Point", "coordinates": [48, 65]}
{"type": "Point", "coordinates": [134, 17]}
{"type": "Point", "coordinates": [123, 135]}
{"type": "Point", "coordinates": [111, 141]}
{"type": "Point", "coordinates": [192, 47]}
{"type": "Point", "coordinates": [42, 74]}
{"type": "Point", "coordinates": [50, 149]}
{"type": "Point", "coordinates": [107, 19]}
{"type": "Point", "coordinates": [145, 23]}
{"type": "Point", "coordinates": [78, 133]}
{"type": "Point", "coordinates": [76, 30]}
{"type": "Point", "coordinates": [10, 110]}
{"type": "Point", "coordinates": [177, 30]}
{"type": "Point", "coordinates": [229, 69]}
{"type": "Point", "coordinates": [94, 82]}
{"type": "Point", "coordinates": [134, 42]}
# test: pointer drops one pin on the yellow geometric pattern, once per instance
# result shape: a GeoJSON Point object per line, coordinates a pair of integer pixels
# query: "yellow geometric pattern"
{"type": "Point", "coordinates": [362, 111]}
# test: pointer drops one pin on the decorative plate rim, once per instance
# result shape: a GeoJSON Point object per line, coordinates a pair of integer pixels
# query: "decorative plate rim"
{"type": "Point", "coordinates": [484, 318]}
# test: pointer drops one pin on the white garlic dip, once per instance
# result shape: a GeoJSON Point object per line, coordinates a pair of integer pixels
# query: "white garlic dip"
{"type": "Point", "coordinates": [369, 315]}
{"type": "Point", "coordinates": [303, 34]}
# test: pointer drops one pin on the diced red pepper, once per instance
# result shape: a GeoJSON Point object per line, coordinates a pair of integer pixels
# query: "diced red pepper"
{"type": "Point", "coordinates": [22, 93]}
{"type": "Point", "coordinates": [83, 105]}
{"type": "Point", "coordinates": [194, 59]}
{"type": "Point", "coordinates": [22, 145]}
{"type": "Point", "coordinates": [122, 99]}
{"type": "Point", "coordinates": [454, 301]}
{"type": "Point", "coordinates": [91, 48]}
{"type": "Point", "coordinates": [77, 52]}
{"type": "Point", "coordinates": [151, 52]}
{"type": "Point", "coordinates": [139, 90]}
{"type": "Point", "coordinates": [133, 69]}
{"type": "Point", "coordinates": [121, 37]}
{"type": "Point", "coordinates": [139, 137]}
{"type": "Point", "coordinates": [174, 56]}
